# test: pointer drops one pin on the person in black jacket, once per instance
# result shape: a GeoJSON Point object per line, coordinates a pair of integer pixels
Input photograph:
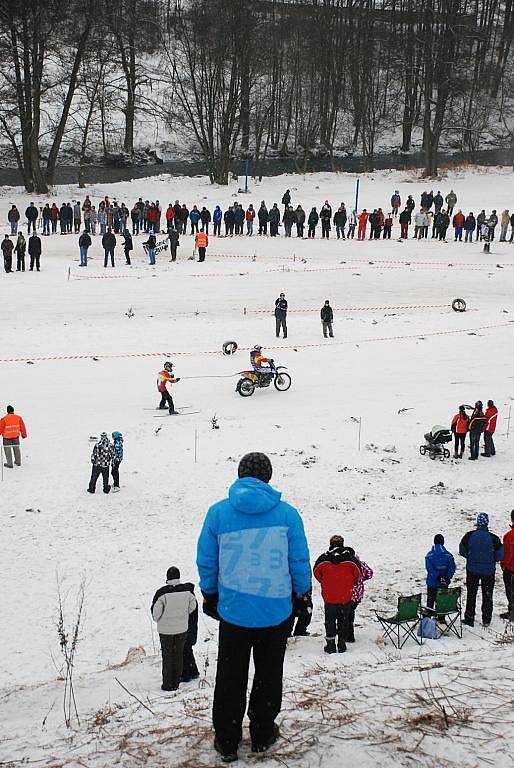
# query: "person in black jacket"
{"type": "Point", "coordinates": [173, 236]}
{"type": "Point", "coordinates": [405, 218]}
{"type": "Point", "coordinates": [109, 244]}
{"type": "Point", "coordinates": [31, 213]}
{"type": "Point", "coordinates": [340, 221]}
{"type": "Point", "coordinates": [34, 251]}
{"type": "Point", "coordinates": [84, 244]}
{"type": "Point", "coordinates": [327, 318]}
{"type": "Point", "coordinates": [281, 315]}
{"type": "Point", "coordinates": [262, 215]}
{"type": "Point", "coordinates": [469, 227]}
{"type": "Point", "coordinates": [127, 245]}
{"type": "Point", "coordinates": [476, 424]}
{"type": "Point", "coordinates": [274, 220]}
{"type": "Point", "coordinates": [313, 223]}
{"type": "Point", "coordinates": [299, 220]}
{"type": "Point", "coordinates": [301, 615]}
{"type": "Point", "coordinates": [229, 219]}
{"type": "Point", "coordinates": [189, 667]}
{"type": "Point", "coordinates": [205, 218]}
{"type": "Point", "coordinates": [286, 199]}
{"type": "Point", "coordinates": [325, 218]}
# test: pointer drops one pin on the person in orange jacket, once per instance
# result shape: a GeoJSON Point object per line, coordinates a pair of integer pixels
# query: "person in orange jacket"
{"type": "Point", "coordinates": [363, 220]}
{"type": "Point", "coordinates": [507, 565]}
{"type": "Point", "coordinates": [11, 427]}
{"type": "Point", "coordinates": [491, 416]}
{"type": "Point", "coordinates": [164, 380]}
{"type": "Point", "coordinates": [201, 242]}
{"type": "Point", "coordinates": [460, 426]}
{"type": "Point", "coordinates": [458, 223]}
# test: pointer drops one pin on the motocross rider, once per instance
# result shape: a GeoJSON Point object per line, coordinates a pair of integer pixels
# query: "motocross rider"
{"type": "Point", "coordinates": [164, 381]}
{"type": "Point", "coordinates": [257, 359]}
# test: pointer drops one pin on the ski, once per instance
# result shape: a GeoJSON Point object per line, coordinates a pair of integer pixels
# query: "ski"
{"type": "Point", "coordinates": [177, 413]}
{"type": "Point", "coordinates": [165, 409]}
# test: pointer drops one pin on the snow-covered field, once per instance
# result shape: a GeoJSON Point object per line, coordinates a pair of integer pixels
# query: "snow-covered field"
{"type": "Point", "coordinates": [74, 363]}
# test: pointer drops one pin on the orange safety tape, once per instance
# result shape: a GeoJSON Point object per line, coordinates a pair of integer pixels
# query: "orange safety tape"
{"type": "Point", "coordinates": [284, 346]}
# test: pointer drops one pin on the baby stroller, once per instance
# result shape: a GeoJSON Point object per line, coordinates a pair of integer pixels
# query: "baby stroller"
{"type": "Point", "coordinates": [434, 442]}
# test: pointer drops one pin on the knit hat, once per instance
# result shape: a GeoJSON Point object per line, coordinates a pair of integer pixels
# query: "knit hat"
{"type": "Point", "coordinates": [255, 465]}
{"type": "Point", "coordinates": [482, 520]}
{"type": "Point", "coordinates": [336, 541]}
{"type": "Point", "coordinates": [172, 573]}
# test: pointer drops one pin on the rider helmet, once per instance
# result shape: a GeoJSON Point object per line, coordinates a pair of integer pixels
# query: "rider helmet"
{"type": "Point", "coordinates": [168, 366]}
{"type": "Point", "coordinates": [257, 348]}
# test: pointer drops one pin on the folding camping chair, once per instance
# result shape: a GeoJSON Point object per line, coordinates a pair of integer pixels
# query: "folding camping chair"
{"type": "Point", "coordinates": [448, 605]}
{"type": "Point", "coordinates": [404, 623]}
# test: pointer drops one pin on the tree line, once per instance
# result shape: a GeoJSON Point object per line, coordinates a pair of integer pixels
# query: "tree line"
{"type": "Point", "coordinates": [254, 78]}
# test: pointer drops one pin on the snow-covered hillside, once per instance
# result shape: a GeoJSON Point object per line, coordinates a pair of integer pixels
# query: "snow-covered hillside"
{"type": "Point", "coordinates": [74, 361]}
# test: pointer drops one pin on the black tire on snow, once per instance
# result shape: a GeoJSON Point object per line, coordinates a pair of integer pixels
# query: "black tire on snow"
{"type": "Point", "coordinates": [245, 387]}
{"type": "Point", "coordinates": [459, 305]}
{"type": "Point", "coordinates": [229, 347]}
{"type": "Point", "coordinates": [285, 382]}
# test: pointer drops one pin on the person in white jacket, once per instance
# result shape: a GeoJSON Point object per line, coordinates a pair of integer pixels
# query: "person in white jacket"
{"type": "Point", "coordinates": [420, 222]}
{"type": "Point", "coordinates": [171, 607]}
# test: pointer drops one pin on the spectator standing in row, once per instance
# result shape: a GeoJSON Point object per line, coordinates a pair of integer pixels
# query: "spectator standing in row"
{"type": "Point", "coordinates": [451, 201]}
{"type": "Point", "coordinates": [476, 426]}
{"type": "Point", "coordinates": [458, 225]}
{"type": "Point", "coordinates": [388, 225]}
{"type": "Point", "coordinates": [109, 244]}
{"type": "Point", "coordinates": [171, 607]}
{"type": "Point", "coordinates": [11, 427]}
{"type": "Point", "coordinates": [352, 223]}
{"type": "Point", "coordinates": [325, 216]}
{"type": "Point", "coordinates": [101, 458]}
{"type": "Point", "coordinates": [363, 221]}
{"type": "Point", "coordinates": [7, 250]}
{"type": "Point", "coordinates": [54, 217]}
{"type": "Point", "coordinates": [77, 216]}
{"type": "Point", "coordinates": [31, 215]}
{"type": "Point", "coordinates": [205, 218]}
{"type": "Point", "coordinates": [405, 218]}
{"type": "Point", "coordinates": [173, 237]}
{"type": "Point", "coordinates": [46, 216]}
{"type": "Point", "coordinates": [340, 219]}
{"type": "Point", "coordinates": [504, 225]}
{"type": "Point", "coordinates": [313, 223]}
{"type": "Point", "coordinates": [217, 217]}
{"type": "Point", "coordinates": [299, 220]}
{"type": "Point", "coordinates": [150, 246]}
{"type": "Point", "coordinates": [194, 218]}
{"type": "Point", "coordinates": [327, 318]}
{"type": "Point", "coordinates": [20, 250]}
{"type": "Point", "coordinates": [250, 216]}
{"type": "Point", "coordinates": [469, 227]}
{"type": "Point", "coordinates": [507, 565]}
{"type": "Point", "coordinates": [250, 593]}
{"type": "Point", "coordinates": [84, 245]}
{"type": "Point", "coordinates": [281, 316]}
{"type": "Point", "coordinates": [274, 220]}
{"type": "Point", "coordinates": [262, 215]}
{"type": "Point", "coordinates": [482, 550]}
{"type": "Point", "coordinates": [491, 417]}
{"type": "Point", "coordinates": [13, 218]}
{"type": "Point", "coordinates": [35, 251]}
{"type": "Point", "coordinates": [438, 202]}
{"type": "Point", "coordinates": [127, 246]}
{"type": "Point", "coordinates": [460, 427]}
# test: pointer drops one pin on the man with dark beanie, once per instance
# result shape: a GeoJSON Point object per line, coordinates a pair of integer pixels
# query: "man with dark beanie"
{"type": "Point", "coordinates": [171, 607]}
{"type": "Point", "coordinates": [482, 550]}
{"type": "Point", "coordinates": [252, 557]}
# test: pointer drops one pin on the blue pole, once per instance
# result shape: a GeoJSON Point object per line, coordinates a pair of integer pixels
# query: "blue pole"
{"type": "Point", "coordinates": [357, 185]}
{"type": "Point", "coordinates": [246, 175]}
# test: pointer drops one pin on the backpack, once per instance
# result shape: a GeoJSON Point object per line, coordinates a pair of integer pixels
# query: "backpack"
{"type": "Point", "coordinates": [428, 628]}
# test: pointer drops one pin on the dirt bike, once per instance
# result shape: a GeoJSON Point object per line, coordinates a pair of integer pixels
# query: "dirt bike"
{"type": "Point", "coordinates": [251, 380]}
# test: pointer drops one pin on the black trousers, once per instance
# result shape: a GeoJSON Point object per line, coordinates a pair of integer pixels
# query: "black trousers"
{"type": "Point", "coordinates": [460, 444]}
{"type": "Point", "coordinates": [201, 253]}
{"type": "Point", "coordinates": [166, 398]}
{"type": "Point", "coordinates": [173, 251]}
{"type": "Point", "coordinates": [280, 323]}
{"type": "Point", "coordinates": [508, 580]}
{"type": "Point", "coordinates": [350, 629]}
{"type": "Point", "coordinates": [127, 256]}
{"type": "Point", "coordinates": [337, 620]}
{"type": "Point", "coordinates": [34, 259]}
{"type": "Point", "coordinates": [489, 448]}
{"type": "Point", "coordinates": [325, 228]}
{"type": "Point", "coordinates": [311, 232]}
{"type": "Point", "coordinates": [172, 650]}
{"type": "Point", "coordinates": [473, 580]}
{"type": "Point", "coordinates": [115, 472]}
{"type": "Point", "coordinates": [189, 669]}
{"type": "Point", "coordinates": [95, 474]}
{"type": "Point", "coordinates": [20, 262]}
{"type": "Point", "coordinates": [109, 252]}
{"type": "Point", "coordinates": [217, 229]}
{"type": "Point", "coordinates": [268, 646]}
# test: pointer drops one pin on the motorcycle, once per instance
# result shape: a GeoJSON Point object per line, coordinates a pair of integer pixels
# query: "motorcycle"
{"type": "Point", "coordinates": [251, 380]}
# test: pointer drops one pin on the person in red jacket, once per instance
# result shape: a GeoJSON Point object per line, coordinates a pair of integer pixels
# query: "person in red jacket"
{"type": "Point", "coordinates": [11, 427]}
{"type": "Point", "coordinates": [363, 220]}
{"type": "Point", "coordinates": [458, 223]}
{"type": "Point", "coordinates": [170, 215]}
{"type": "Point", "coordinates": [337, 571]}
{"type": "Point", "coordinates": [491, 416]}
{"type": "Point", "coordinates": [165, 380]}
{"type": "Point", "coordinates": [507, 565]}
{"type": "Point", "coordinates": [460, 426]}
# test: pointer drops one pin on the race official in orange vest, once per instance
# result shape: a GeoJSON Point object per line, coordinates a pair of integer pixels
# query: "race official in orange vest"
{"type": "Point", "coordinates": [11, 427]}
{"type": "Point", "coordinates": [201, 242]}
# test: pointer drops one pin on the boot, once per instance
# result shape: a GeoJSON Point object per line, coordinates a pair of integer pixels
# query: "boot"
{"type": "Point", "coordinates": [350, 637]}
{"type": "Point", "coordinates": [508, 615]}
{"type": "Point", "coordinates": [455, 455]}
{"type": "Point", "coordinates": [330, 646]}
{"type": "Point", "coordinates": [341, 645]}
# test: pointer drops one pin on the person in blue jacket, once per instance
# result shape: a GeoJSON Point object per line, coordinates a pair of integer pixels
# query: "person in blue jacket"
{"type": "Point", "coordinates": [194, 218]}
{"type": "Point", "coordinates": [217, 217]}
{"type": "Point", "coordinates": [440, 565]}
{"type": "Point", "coordinates": [252, 556]}
{"type": "Point", "coordinates": [482, 550]}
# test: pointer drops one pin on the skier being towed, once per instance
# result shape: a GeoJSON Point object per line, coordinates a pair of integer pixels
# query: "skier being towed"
{"type": "Point", "coordinates": [165, 380]}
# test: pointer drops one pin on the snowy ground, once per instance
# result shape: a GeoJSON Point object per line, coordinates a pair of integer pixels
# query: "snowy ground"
{"type": "Point", "coordinates": [374, 703]}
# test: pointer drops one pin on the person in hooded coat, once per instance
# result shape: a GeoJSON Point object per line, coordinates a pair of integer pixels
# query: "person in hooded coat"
{"type": "Point", "coordinates": [482, 550]}
{"type": "Point", "coordinates": [440, 567]}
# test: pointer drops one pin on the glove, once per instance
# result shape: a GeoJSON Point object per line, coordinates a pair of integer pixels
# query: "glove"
{"type": "Point", "coordinates": [178, 379]}
{"type": "Point", "coordinates": [210, 605]}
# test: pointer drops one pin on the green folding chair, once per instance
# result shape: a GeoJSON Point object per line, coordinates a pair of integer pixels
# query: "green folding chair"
{"type": "Point", "coordinates": [404, 623]}
{"type": "Point", "coordinates": [448, 605]}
